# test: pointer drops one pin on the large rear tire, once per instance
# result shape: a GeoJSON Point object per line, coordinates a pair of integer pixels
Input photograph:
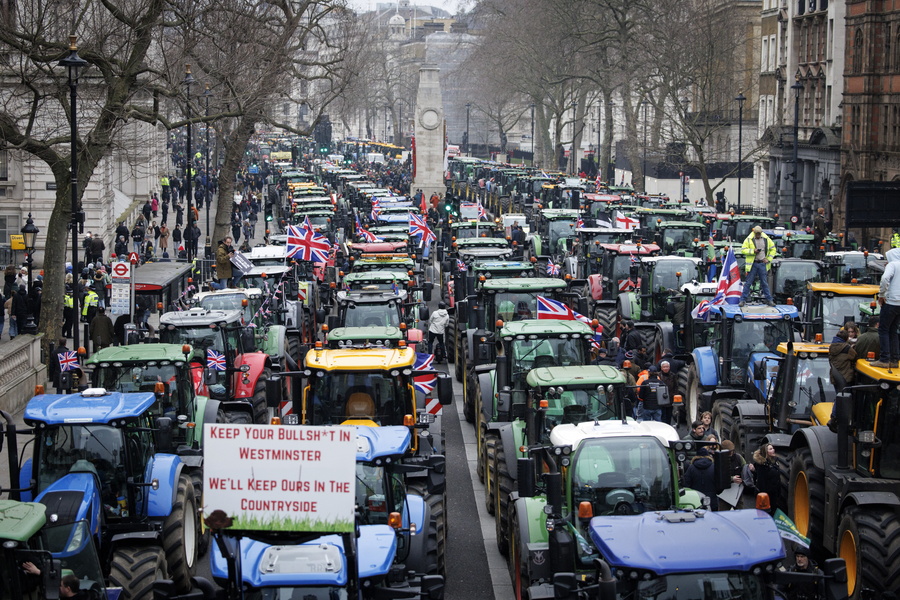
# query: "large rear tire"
{"type": "Point", "coordinates": [783, 462]}
{"type": "Point", "coordinates": [180, 535]}
{"type": "Point", "coordinates": [692, 399]}
{"type": "Point", "coordinates": [450, 339]}
{"type": "Point", "coordinates": [459, 369]}
{"type": "Point", "coordinates": [438, 507]}
{"type": "Point", "coordinates": [134, 569]}
{"type": "Point", "coordinates": [869, 542]}
{"type": "Point", "coordinates": [739, 436]}
{"type": "Point", "coordinates": [505, 486]}
{"type": "Point", "coordinates": [518, 570]}
{"type": "Point", "coordinates": [238, 417]}
{"type": "Point", "coordinates": [260, 407]}
{"type": "Point", "coordinates": [681, 386]}
{"type": "Point", "coordinates": [806, 498]}
{"type": "Point", "coordinates": [721, 418]}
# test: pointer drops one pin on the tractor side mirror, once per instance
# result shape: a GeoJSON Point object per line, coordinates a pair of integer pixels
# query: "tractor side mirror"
{"type": "Point", "coordinates": [273, 392]}
{"type": "Point", "coordinates": [835, 570]}
{"type": "Point", "coordinates": [445, 389]}
{"type": "Point", "coordinates": [565, 586]}
{"type": "Point", "coordinates": [504, 400]}
{"type": "Point", "coordinates": [51, 576]}
{"type": "Point", "coordinates": [431, 587]}
{"type": "Point", "coordinates": [164, 434]}
{"type": "Point", "coordinates": [525, 468]}
{"type": "Point", "coordinates": [333, 322]}
{"type": "Point", "coordinates": [424, 313]}
{"type": "Point", "coordinates": [320, 315]}
{"type": "Point", "coordinates": [721, 471]}
{"type": "Point", "coordinates": [437, 474]}
{"type": "Point", "coordinates": [426, 290]}
{"type": "Point", "coordinates": [210, 376]}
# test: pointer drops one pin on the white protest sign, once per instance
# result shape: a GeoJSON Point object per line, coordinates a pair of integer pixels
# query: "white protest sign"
{"type": "Point", "coordinates": [280, 477]}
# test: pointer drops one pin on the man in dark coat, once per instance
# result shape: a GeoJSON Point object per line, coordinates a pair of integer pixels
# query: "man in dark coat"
{"type": "Point", "coordinates": [819, 229]}
{"type": "Point", "coordinates": [101, 330]}
{"type": "Point", "coordinates": [700, 476]}
{"type": "Point", "coordinates": [97, 249]}
{"type": "Point", "coordinates": [53, 368]}
{"type": "Point", "coordinates": [18, 312]}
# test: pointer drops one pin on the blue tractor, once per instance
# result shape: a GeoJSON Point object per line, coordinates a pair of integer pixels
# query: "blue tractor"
{"type": "Point", "coordinates": [725, 347]}
{"type": "Point", "coordinates": [644, 557]}
{"type": "Point", "coordinates": [107, 459]}
{"type": "Point", "coordinates": [391, 554]}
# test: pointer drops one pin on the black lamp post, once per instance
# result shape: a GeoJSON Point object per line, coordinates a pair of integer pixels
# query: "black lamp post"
{"type": "Point", "coordinates": [208, 247]}
{"type": "Point", "coordinates": [468, 108]}
{"type": "Point", "coordinates": [740, 100]}
{"type": "Point", "coordinates": [29, 233]}
{"type": "Point", "coordinates": [685, 104]}
{"type": "Point", "coordinates": [532, 134]}
{"type": "Point", "coordinates": [386, 109]}
{"type": "Point", "coordinates": [572, 170]}
{"type": "Point", "coordinates": [74, 63]}
{"type": "Point", "coordinates": [644, 158]}
{"type": "Point", "coordinates": [599, 136]}
{"type": "Point", "coordinates": [797, 87]}
{"type": "Point", "coordinates": [187, 81]}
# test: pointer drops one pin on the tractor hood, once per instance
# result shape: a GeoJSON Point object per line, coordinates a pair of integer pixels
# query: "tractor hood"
{"type": "Point", "coordinates": [318, 562]}
{"type": "Point", "coordinates": [93, 405]}
{"type": "Point", "coordinates": [70, 498]}
{"type": "Point", "coordinates": [656, 541]}
{"type": "Point", "coordinates": [375, 442]}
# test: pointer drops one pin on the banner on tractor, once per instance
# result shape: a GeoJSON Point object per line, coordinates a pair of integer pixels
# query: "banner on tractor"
{"type": "Point", "coordinates": [279, 478]}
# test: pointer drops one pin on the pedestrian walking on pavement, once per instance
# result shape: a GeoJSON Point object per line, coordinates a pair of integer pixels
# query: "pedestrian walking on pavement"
{"type": "Point", "coordinates": [163, 240]}
{"type": "Point", "coordinates": [101, 330]}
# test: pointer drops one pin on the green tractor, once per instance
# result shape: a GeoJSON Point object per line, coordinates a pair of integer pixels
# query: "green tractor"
{"type": "Point", "coordinates": [552, 233]}
{"type": "Point", "coordinates": [594, 468]}
{"type": "Point", "coordinates": [552, 396]}
{"type": "Point", "coordinates": [677, 238]}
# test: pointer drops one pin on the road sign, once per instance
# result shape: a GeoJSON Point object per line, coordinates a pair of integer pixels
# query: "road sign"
{"type": "Point", "coordinates": [122, 289]}
{"type": "Point", "coordinates": [121, 270]}
{"type": "Point", "coordinates": [16, 241]}
{"type": "Point", "coordinates": [133, 258]}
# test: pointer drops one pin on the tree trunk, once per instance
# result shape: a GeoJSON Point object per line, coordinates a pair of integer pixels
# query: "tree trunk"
{"type": "Point", "coordinates": [55, 256]}
{"type": "Point", "coordinates": [235, 145]}
{"type": "Point", "coordinates": [606, 156]}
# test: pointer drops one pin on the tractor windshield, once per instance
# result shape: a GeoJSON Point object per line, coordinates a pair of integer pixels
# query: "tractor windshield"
{"type": "Point", "coordinates": [374, 500]}
{"type": "Point", "coordinates": [337, 396]}
{"type": "Point", "coordinates": [679, 238]}
{"type": "Point", "coordinates": [368, 314]}
{"type": "Point", "coordinates": [811, 383]}
{"type": "Point", "coordinates": [208, 342]}
{"type": "Point", "coordinates": [790, 278]}
{"type": "Point", "coordinates": [560, 229]}
{"type": "Point", "coordinates": [97, 449]}
{"type": "Point", "coordinates": [515, 306]}
{"type": "Point", "coordinates": [544, 352]}
{"type": "Point", "coordinates": [802, 249]}
{"type": "Point", "coordinates": [291, 593]}
{"type": "Point", "coordinates": [576, 405]}
{"type": "Point", "coordinates": [231, 302]}
{"type": "Point", "coordinates": [672, 274]}
{"type": "Point", "coordinates": [73, 545]}
{"type": "Point", "coordinates": [837, 310]}
{"type": "Point", "coordinates": [755, 336]}
{"type": "Point", "coordinates": [622, 475]}
{"type": "Point", "coordinates": [695, 586]}
{"type": "Point", "coordinates": [878, 411]}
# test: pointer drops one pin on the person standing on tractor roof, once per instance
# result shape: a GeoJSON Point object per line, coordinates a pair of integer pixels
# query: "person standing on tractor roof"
{"type": "Point", "coordinates": [819, 229]}
{"type": "Point", "coordinates": [889, 299]}
{"type": "Point", "coordinates": [895, 240]}
{"type": "Point", "coordinates": [758, 250]}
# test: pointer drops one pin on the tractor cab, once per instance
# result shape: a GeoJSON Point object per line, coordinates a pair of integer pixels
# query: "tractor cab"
{"type": "Point", "coordinates": [651, 219]}
{"type": "Point", "coordinates": [553, 231]}
{"type": "Point", "coordinates": [737, 227]}
{"type": "Point", "coordinates": [678, 237]}
{"type": "Point", "coordinates": [827, 306]}
{"type": "Point", "coordinates": [619, 269]}
{"type": "Point", "coordinates": [589, 252]}
{"type": "Point", "coordinates": [795, 385]}
{"type": "Point", "coordinates": [572, 394]}
{"type": "Point", "coordinates": [789, 276]}
{"type": "Point", "coordinates": [850, 267]}
{"type": "Point", "coordinates": [662, 278]}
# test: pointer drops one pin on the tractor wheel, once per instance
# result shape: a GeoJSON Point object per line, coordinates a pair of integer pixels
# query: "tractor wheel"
{"type": "Point", "coordinates": [806, 497]}
{"type": "Point", "coordinates": [438, 505]}
{"type": "Point", "coordinates": [783, 463]}
{"type": "Point", "coordinates": [869, 542]}
{"type": "Point", "coordinates": [505, 203]}
{"type": "Point", "coordinates": [134, 569]}
{"type": "Point", "coordinates": [260, 408]}
{"type": "Point", "coordinates": [504, 487]}
{"type": "Point", "coordinates": [450, 339]}
{"type": "Point", "coordinates": [681, 386]}
{"type": "Point", "coordinates": [692, 399]}
{"type": "Point", "coordinates": [238, 417]}
{"type": "Point", "coordinates": [518, 568]}
{"type": "Point", "coordinates": [180, 535]}
{"type": "Point", "coordinates": [742, 443]}
{"type": "Point", "coordinates": [606, 316]}
{"type": "Point", "coordinates": [203, 536]}
{"type": "Point", "coordinates": [490, 445]}
{"type": "Point", "coordinates": [460, 366]}
{"type": "Point", "coordinates": [293, 348]}
{"type": "Point", "coordinates": [721, 418]}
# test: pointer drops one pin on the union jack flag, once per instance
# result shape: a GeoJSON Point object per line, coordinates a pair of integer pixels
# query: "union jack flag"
{"type": "Point", "coordinates": [598, 183]}
{"type": "Point", "coordinates": [215, 360]}
{"type": "Point", "coordinates": [376, 211]}
{"type": "Point", "coordinates": [306, 224]}
{"type": "Point", "coordinates": [552, 268]}
{"type": "Point", "coordinates": [424, 383]}
{"type": "Point", "coordinates": [482, 214]}
{"type": "Point", "coordinates": [728, 291]}
{"type": "Point", "coordinates": [306, 244]}
{"type": "Point", "coordinates": [68, 361]}
{"type": "Point", "coordinates": [461, 266]}
{"type": "Point", "coordinates": [418, 227]}
{"type": "Point", "coordinates": [547, 308]}
{"type": "Point", "coordinates": [579, 223]}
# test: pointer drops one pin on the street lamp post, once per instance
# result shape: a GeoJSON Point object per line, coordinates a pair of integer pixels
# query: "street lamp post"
{"type": "Point", "coordinates": [797, 87]}
{"type": "Point", "coordinates": [74, 63]}
{"type": "Point", "coordinates": [740, 100]}
{"type": "Point", "coordinates": [208, 247]}
{"type": "Point", "coordinates": [187, 81]}
{"type": "Point", "coordinates": [599, 137]}
{"type": "Point", "coordinates": [574, 119]}
{"type": "Point", "coordinates": [644, 158]}
{"type": "Point", "coordinates": [386, 109]}
{"type": "Point", "coordinates": [468, 108]}
{"type": "Point", "coordinates": [29, 235]}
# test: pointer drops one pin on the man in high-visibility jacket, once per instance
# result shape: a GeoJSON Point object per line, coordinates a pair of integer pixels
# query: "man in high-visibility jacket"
{"type": "Point", "coordinates": [91, 303]}
{"type": "Point", "coordinates": [758, 250]}
{"type": "Point", "coordinates": [895, 240]}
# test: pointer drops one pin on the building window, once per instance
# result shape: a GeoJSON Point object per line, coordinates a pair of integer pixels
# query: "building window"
{"type": "Point", "coordinates": [887, 47]}
{"type": "Point", "coordinates": [764, 62]}
{"type": "Point", "coordinates": [773, 53]}
{"type": "Point", "coordinates": [858, 52]}
{"type": "Point", "coordinates": [9, 225]}
{"type": "Point", "coordinates": [895, 62]}
{"type": "Point", "coordinates": [4, 165]}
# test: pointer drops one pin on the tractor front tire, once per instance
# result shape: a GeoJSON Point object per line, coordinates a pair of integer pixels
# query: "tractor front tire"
{"type": "Point", "coordinates": [134, 569]}
{"type": "Point", "coordinates": [180, 541]}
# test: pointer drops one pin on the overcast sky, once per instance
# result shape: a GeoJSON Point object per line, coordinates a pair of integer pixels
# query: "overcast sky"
{"type": "Point", "coordinates": [449, 5]}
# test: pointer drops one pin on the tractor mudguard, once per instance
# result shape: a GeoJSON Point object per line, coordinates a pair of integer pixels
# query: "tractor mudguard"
{"type": "Point", "coordinates": [821, 442]}
{"type": "Point", "coordinates": [533, 537]}
{"type": "Point", "coordinates": [86, 484]}
{"type": "Point", "coordinates": [417, 513]}
{"type": "Point", "coordinates": [537, 244]}
{"type": "Point", "coordinates": [164, 468]}
{"type": "Point", "coordinates": [25, 481]}
{"type": "Point", "coordinates": [137, 538]}
{"type": "Point", "coordinates": [596, 285]}
{"type": "Point", "coordinates": [257, 362]}
{"type": "Point", "coordinates": [207, 410]}
{"type": "Point", "coordinates": [665, 332]}
{"type": "Point", "coordinates": [750, 410]}
{"type": "Point", "coordinates": [512, 436]}
{"type": "Point", "coordinates": [629, 306]}
{"type": "Point", "coordinates": [273, 342]}
{"type": "Point", "coordinates": [707, 366]}
{"type": "Point", "coordinates": [887, 499]}
{"type": "Point", "coordinates": [488, 400]}
{"type": "Point", "coordinates": [779, 440]}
